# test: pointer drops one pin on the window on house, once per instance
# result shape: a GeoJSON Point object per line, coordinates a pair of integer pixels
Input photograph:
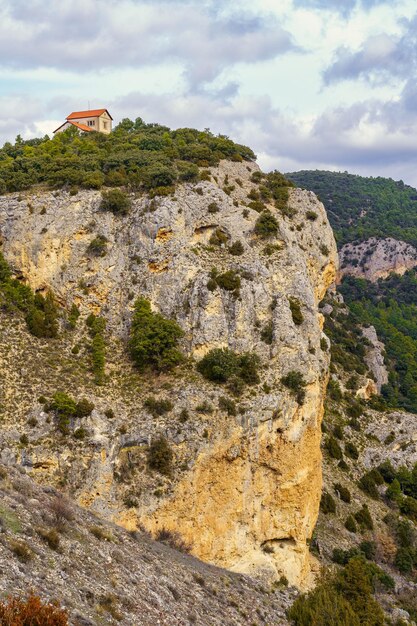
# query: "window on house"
{"type": "Point", "coordinates": [105, 124]}
{"type": "Point", "coordinates": [91, 123]}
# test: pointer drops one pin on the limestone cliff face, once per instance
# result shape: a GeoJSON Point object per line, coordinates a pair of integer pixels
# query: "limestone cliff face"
{"type": "Point", "coordinates": [246, 488]}
{"type": "Point", "coordinates": [376, 258]}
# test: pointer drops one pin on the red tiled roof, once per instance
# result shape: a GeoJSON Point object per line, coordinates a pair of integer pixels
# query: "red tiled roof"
{"type": "Point", "coordinates": [83, 127]}
{"type": "Point", "coordinates": [92, 113]}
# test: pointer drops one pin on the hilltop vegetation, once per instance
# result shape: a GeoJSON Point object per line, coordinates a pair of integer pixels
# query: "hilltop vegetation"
{"type": "Point", "coordinates": [137, 155]}
{"type": "Point", "coordinates": [359, 207]}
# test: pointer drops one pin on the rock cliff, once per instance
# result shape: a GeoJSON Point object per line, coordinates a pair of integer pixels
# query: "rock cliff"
{"type": "Point", "coordinates": [376, 258]}
{"type": "Point", "coordinates": [246, 487]}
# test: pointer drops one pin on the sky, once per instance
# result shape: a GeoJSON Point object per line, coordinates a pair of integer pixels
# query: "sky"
{"type": "Point", "coordinates": [307, 84]}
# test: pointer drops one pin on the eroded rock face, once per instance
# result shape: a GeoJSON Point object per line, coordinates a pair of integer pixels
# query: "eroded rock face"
{"type": "Point", "coordinates": [374, 357]}
{"type": "Point", "coordinates": [247, 491]}
{"type": "Point", "coordinates": [376, 258]}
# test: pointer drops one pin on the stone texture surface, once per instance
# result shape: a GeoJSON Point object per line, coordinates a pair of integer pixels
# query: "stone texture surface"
{"type": "Point", "coordinates": [246, 489]}
{"type": "Point", "coordinates": [374, 357]}
{"type": "Point", "coordinates": [376, 258]}
{"type": "Point", "coordinates": [104, 575]}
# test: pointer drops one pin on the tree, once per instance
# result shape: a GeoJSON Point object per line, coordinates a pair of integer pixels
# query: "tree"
{"type": "Point", "coordinates": [154, 339]}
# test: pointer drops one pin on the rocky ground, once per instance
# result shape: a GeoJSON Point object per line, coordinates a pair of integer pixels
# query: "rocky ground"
{"type": "Point", "coordinates": [105, 575]}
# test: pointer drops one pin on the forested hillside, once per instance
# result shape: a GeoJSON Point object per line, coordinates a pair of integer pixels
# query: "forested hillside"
{"type": "Point", "coordinates": [359, 207]}
{"type": "Point", "coordinates": [391, 306]}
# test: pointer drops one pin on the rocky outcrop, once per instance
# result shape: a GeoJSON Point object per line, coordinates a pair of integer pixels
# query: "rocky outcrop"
{"type": "Point", "coordinates": [374, 357]}
{"type": "Point", "coordinates": [246, 488]}
{"type": "Point", "coordinates": [376, 258]}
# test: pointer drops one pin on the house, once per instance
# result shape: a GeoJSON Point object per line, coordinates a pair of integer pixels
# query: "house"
{"type": "Point", "coordinates": [99, 120]}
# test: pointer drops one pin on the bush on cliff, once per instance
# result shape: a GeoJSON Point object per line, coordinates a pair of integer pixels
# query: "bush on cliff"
{"type": "Point", "coordinates": [115, 201]}
{"type": "Point", "coordinates": [221, 365]}
{"type": "Point", "coordinates": [154, 339]}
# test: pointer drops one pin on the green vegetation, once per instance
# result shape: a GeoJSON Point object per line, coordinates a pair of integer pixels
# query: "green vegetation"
{"type": "Point", "coordinates": [65, 407]}
{"type": "Point", "coordinates": [359, 208]}
{"type": "Point", "coordinates": [98, 246]}
{"type": "Point", "coordinates": [327, 503]}
{"type": "Point", "coordinates": [344, 600]}
{"type": "Point", "coordinates": [296, 383]}
{"type": "Point", "coordinates": [96, 326]}
{"type": "Point", "coordinates": [154, 339]}
{"type": "Point", "coordinates": [158, 407]}
{"type": "Point", "coordinates": [229, 281]}
{"type": "Point", "coordinates": [222, 365]}
{"type": "Point", "coordinates": [160, 456]}
{"type": "Point", "coordinates": [41, 312]}
{"type": "Point", "coordinates": [391, 306]}
{"type": "Point", "coordinates": [297, 315]}
{"type": "Point", "coordinates": [137, 155]}
{"type": "Point", "coordinates": [115, 201]}
{"type": "Point", "coordinates": [266, 225]}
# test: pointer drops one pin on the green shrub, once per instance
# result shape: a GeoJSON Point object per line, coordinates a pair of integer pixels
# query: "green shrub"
{"type": "Point", "coordinates": [115, 201]}
{"type": "Point", "coordinates": [93, 180]}
{"type": "Point", "coordinates": [334, 449]}
{"type": "Point", "coordinates": [42, 317]}
{"type": "Point", "coordinates": [368, 549]}
{"type": "Point", "coordinates": [266, 225]}
{"type": "Point", "coordinates": [404, 560]}
{"type": "Point", "coordinates": [364, 519]}
{"type": "Point", "coordinates": [267, 333]}
{"type": "Point", "coordinates": [296, 313]}
{"type": "Point", "coordinates": [218, 238]}
{"type": "Point", "coordinates": [73, 316]}
{"type": "Point", "coordinates": [98, 246]}
{"type": "Point", "coordinates": [158, 407]}
{"type": "Point", "coordinates": [230, 281]}
{"type": "Point", "coordinates": [311, 215]}
{"type": "Point", "coordinates": [97, 325]}
{"type": "Point", "coordinates": [64, 408]}
{"type": "Point", "coordinates": [367, 484]}
{"type": "Point", "coordinates": [408, 507]}
{"type": "Point", "coordinates": [322, 607]}
{"type": "Point", "coordinates": [350, 524]}
{"type": "Point", "coordinates": [351, 451]}
{"type": "Point", "coordinates": [213, 207]}
{"type": "Point", "coordinates": [342, 492]}
{"type": "Point", "coordinates": [80, 433]}
{"type": "Point", "coordinates": [327, 503]}
{"type": "Point", "coordinates": [84, 408]}
{"type": "Point", "coordinates": [236, 249]}
{"type": "Point", "coordinates": [221, 365]}
{"type": "Point", "coordinates": [154, 339]}
{"type": "Point", "coordinates": [338, 432]}
{"type": "Point", "coordinates": [160, 456]}
{"type": "Point", "coordinates": [294, 381]}
{"type": "Point", "coordinates": [227, 404]}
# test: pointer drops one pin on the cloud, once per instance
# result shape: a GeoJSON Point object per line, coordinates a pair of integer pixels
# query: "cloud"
{"type": "Point", "coordinates": [380, 57]}
{"type": "Point", "coordinates": [345, 7]}
{"type": "Point", "coordinates": [371, 136]}
{"type": "Point", "coordinates": [76, 36]}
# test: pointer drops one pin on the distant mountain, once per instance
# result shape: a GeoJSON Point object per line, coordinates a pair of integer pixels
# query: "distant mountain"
{"type": "Point", "coordinates": [360, 208]}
